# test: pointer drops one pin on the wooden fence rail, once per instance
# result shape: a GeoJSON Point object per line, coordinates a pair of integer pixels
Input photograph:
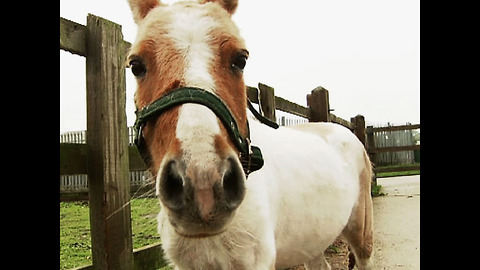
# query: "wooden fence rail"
{"type": "Point", "coordinates": [317, 105]}
{"type": "Point", "coordinates": [107, 156]}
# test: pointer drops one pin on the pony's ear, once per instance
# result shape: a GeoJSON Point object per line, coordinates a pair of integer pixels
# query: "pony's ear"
{"type": "Point", "coordinates": [229, 5]}
{"type": "Point", "coordinates": [140, 8]}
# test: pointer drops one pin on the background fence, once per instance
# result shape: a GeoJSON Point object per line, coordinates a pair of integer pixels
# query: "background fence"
{"type": "Point", "coordinates": [392, 139]}
{"type": "Point", "coordinates": [394, 145]}
{"type": "Point", "coordinates": [74, 187]}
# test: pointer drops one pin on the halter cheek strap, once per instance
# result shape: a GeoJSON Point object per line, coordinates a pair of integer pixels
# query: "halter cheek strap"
{"type": "Point", "coordinates": [250, 156]}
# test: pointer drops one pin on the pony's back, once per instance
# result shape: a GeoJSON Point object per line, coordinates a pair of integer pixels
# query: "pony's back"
{"type": "Point", "coordinates": [317, 176]}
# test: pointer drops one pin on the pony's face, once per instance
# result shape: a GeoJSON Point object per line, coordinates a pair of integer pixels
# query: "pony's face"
{"type": "Point", "coordinates": [200, 180]}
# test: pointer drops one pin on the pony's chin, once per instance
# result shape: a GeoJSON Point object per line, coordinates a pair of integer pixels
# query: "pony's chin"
{"type": "Point", "coordinates": [200, 229]}
{"type": "Point", "coordinates": [200, 235]}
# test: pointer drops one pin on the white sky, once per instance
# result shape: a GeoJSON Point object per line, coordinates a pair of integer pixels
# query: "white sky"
{"type": "Point", "coordinates": [366, 53]}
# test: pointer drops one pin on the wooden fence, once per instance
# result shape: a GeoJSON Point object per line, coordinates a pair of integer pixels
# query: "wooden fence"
{"type": "Point", "coordinates": [74, 187]}
{"type": "Point", "coordinates": [104, 157]}
{"type": "Point", "coordinates": [318, 110]}
{"type": "Point", "coordinates": [107, 156]}
{"type": "Point", "coordinates": [395, 138]}
{"type": "Point", "coordinates": [377, 145]}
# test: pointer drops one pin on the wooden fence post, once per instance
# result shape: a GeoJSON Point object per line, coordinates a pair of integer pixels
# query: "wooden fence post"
{"type": "Point", "coordinates": [371, 145]}
{"type": "Point", "coordinates": [370, 142]}
{"type": "Point", "coordinates": [107, 145]}
{"type": "Point", "coordinates": [319, 105]}
{"type": "Point", "coordinates": [267, 101]}
{"type": "Point", "coordinates": [359, 130]}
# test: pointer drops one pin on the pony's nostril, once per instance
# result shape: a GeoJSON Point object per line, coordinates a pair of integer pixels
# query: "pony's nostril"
{"type": "Point", "coordinates": [233, 185]}
{"type": "Point", "coordinates": [171, 187]}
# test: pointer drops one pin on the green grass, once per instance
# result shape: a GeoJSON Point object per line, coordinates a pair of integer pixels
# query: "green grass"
{"type": "Point", "coordinates": [393, 174]}
{"type": "Point", "coordinates": [75, 242]}
{"type": "Point", "coordinates": [376, 191]}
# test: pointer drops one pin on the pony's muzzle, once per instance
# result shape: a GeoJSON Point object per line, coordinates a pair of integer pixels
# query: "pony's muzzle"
{"type": "Point", "coordinates": [201, 197]}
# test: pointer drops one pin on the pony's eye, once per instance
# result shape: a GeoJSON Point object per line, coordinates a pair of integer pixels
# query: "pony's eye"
{"type": "Point", "coordinates": [240, 60]}
{"type": "Point", "coordinates": [138, 68]}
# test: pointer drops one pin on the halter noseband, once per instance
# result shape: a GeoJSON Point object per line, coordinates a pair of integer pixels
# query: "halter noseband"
{"type": "Point", "coordinates": [250, 156]}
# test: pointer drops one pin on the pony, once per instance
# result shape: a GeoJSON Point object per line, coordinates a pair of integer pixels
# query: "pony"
{"type": "Point", "coordinates": [235, 193]}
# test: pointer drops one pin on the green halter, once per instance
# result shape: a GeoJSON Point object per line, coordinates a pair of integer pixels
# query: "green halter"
{"type": "Point", "coordinates": [250, 156]}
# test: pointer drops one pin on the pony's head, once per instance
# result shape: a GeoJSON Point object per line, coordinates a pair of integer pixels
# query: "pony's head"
{"type": "Point", "coordinates": [200, 179]}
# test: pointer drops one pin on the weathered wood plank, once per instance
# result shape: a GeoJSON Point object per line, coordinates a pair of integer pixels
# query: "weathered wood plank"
{"type": "Point", "coordinates": [135, 160]}
{"type": "Point", "coordinates": [291, 107]}
{"type": "Point", "coordinates": [370, 144]}
{"type": "Point", "coordinates": [359, 129]}
{"type": "Point", "coordinates": [280, 103]}
{"type": "Point", "coordinates": [72, 37]}
{"type": "Point", "coordinates": [319, 105]}
{"type": "Point", "coordinates": [393, 148]}
{"type": "Point", "coordinates": [73, 159]}
{"type": "Point", "coordinates": [146, 258]}
{"type": "Point", "coordinates": [107, 142]}
{"type": "Point", "coordinates": [267, 101]}
{"type": "Point", "coordinates": [74, 196]}
{"type": "Point", "coordinates": [149, 257]}
{"type": "Point", "coordinates": [138, 191]}
{"type": "Point", "coordinates": [341, 121]}
{"type": "Point", "coordinates": [252, 94]}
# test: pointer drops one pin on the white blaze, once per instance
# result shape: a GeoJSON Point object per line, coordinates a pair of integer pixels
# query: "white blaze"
{"type": "Point", "coordinates": [197, 124]}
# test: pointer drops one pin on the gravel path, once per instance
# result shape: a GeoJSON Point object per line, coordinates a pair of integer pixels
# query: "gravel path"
{"type": "Point", "coordinates": [397, 223]}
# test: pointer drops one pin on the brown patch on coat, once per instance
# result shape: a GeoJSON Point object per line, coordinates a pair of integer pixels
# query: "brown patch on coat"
{"type": "Point", "coordinates": [165, 66]}
{"type": "Point", "coordinates": [229, 81]}
{"type": "Point", "coordinates": [160, 137]}
{"type": "Point", "coordinates": [229, 5]}
{"type": "Point", "coordinates": [141, 8]}
{"type": "Point", "coordinates": [359, 229]}
{"type": "Point", "coordinates": [223, 145]}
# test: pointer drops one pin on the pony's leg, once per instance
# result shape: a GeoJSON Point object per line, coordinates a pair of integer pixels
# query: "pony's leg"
{"type": "Point", "coordinates": [359, 229]}
{"type": "Point", "coordinates": [318, 263]}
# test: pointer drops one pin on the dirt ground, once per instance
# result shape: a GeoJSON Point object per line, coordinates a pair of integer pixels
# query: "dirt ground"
{"type": "Point", "coordinates": [336, 255]}
{"type": "Point", "coordinates": [397, 228]}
